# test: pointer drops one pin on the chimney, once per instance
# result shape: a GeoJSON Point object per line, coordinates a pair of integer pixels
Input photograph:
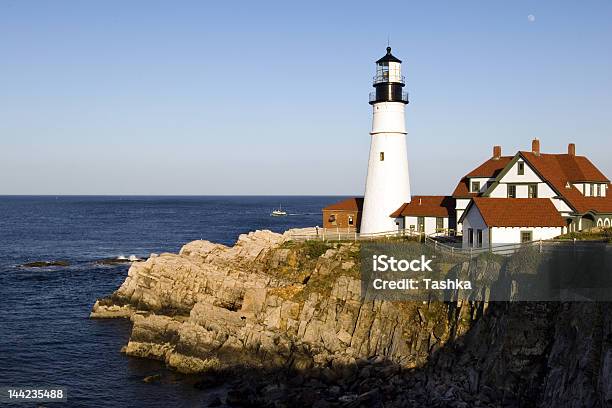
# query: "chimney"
{"type": "Point", "coordinates": [535, 147]}
{"type": "Point", "coordinates": [496, 152]}
{"type": "Point", "coordinates": [571, 149]}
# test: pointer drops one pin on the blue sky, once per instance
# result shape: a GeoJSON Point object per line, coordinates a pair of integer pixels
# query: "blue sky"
{"type": "Point", "coordinates": [151, 97]}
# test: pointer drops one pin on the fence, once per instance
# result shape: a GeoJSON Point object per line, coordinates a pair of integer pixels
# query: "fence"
{"type": "Point", "coordinates": [549, 245]}
{"type": "Point", "coordinates": [347, 234]}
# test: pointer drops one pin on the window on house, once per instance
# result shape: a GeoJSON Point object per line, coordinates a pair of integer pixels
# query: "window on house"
{"type": "Point", "coordinates": [532, 191]}
{"type": "Point", "coordinates": [526, 236]}
{"type": "Point", "coordinates": [350, 220]}
{"type": "Point", "coordinates": [382, 156]}
{"type": "Point", "coordinates": [470, 237]}
{"type": "Point", "coordinates": [332, 219]}
{"type": "Point", "coordinates": [520, 167]}
{"type": "Point", "coordinates": [599, 190]}
{"type": "Point", "coordinates": [591, 190]}
{"type": "Point", "coordinates": [439, 224]}
{"type": "Point", "coordinates": [479, 238]}
{"type": "Point", "coordinates": [511, 191]}
{"type": "Point", "coordinates": [475, 186]}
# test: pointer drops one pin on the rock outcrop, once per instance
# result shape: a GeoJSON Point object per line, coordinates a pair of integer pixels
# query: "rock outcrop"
{"type": "Point", "coordinates": [268, 304]}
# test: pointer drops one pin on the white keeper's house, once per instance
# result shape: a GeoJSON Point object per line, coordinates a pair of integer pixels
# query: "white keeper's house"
{"type": "Point", "coordinates": [507, 199]}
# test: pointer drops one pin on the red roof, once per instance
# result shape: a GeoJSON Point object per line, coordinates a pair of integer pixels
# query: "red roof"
{"type": "Point", "coordinates": [426, 206]}
{"type": "Point", "coordinates": [350, 204]}
{"type": "Point", "coordinates": [561, 169]}
{"type": "Point", "coordinates": [517, 212]}
{"type": "Point", "coordinates": [489, 169]}
{"type": "Point", "coordinates": [556, 169]}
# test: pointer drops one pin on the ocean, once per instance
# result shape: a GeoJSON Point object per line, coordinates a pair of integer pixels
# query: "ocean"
{"type": "Point", "coordinates": [46, 337]}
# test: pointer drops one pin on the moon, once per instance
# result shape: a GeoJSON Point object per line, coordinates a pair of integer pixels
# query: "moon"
{"type": "Point", "coordinates": [531, 18]}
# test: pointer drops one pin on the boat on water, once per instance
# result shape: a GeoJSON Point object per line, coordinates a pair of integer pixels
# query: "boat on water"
{"type": "Point", "coordinates": [278, 212]}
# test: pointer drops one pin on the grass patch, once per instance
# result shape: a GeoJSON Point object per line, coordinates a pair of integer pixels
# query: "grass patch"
{"type": "Point", "coordinates": [603, 234]}
{"type": "Point", "coordinates": [315, 249]}
{"type": "Point", "coordinates": [491, 257]}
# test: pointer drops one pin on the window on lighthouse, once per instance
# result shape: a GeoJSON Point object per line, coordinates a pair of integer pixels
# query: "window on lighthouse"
{"type": "Point", "coordinates": [382, 156]}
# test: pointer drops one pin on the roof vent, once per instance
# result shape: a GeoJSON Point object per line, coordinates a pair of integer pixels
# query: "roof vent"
{"type": "Point", "coordinates": [420, 201]}
{"type": "Point", "coordinates": [568, 185]}
{"type": "Point", "coordinates": [535, 146]}
{"type": "Point", "coordinates": [571, 149]}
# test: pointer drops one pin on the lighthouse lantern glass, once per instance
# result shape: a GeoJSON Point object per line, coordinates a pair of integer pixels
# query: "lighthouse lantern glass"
{"type": "Point", "coordinates": [382, 71]}
{"type": "Point", "coordinates": [388, 72]}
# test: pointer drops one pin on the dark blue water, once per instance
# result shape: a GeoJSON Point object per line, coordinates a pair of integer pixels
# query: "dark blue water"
{"type": "Point", "coordinates": [46, 337]}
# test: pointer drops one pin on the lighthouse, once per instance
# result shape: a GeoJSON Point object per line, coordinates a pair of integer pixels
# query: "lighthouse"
{"type": "Point", "coordinates": [387, 181]}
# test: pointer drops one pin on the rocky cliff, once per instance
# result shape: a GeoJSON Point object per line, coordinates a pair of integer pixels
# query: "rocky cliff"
{"type": "Point", "coordinates": [287, 320]}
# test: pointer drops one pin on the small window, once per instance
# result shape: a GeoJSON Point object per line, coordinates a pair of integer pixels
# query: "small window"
{"type": "Point", "coordinates": [599, 190]}
{"type": "Point", "coordinates": [382, 156]}
{"type": "Point", "coordinates": [475, 186]}
{"type": "Point", "coordinates": [591, 190]}
{"type": "Point", "coordinates": [350, 220]}
{"type": "Point", "coordinates": [471, 237]}
{"type": "Point", "coordinates": [511, 191]}
{"type": "Point", "coordinates": [421, 224]}
{"type": "Point", "coordinates": [532, 191]}
{"type": "Point", "coordinates": [332, 219]}
{"type": "Point", "coordinates": [479, 238]}
{"type": "Point", "coordinates": [526, 236]}
{"type": "Point", "coordinates": [520, 167]}
{"type": "Point", "coordinates": [439, 224]}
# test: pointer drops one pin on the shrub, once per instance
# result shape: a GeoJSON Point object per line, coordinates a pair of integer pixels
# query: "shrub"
{"type": "Point", "coordinates": [315, 249]}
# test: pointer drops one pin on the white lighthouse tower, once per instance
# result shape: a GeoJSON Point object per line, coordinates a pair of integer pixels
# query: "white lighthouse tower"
{"type": "Point", "coordinates": [388, 182]}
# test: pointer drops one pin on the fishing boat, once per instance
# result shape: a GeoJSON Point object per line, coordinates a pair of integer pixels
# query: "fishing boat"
{"type": "Point", "coordinates": [278, 212]}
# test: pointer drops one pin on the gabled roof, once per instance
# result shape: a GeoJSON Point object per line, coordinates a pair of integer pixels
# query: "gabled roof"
{"type": "Point", "coordinates": [349, 204]}
{"type": "Point", "coordinates": [556, 169]}
{"type": "Point", "coordinates": [489, 169]}
{"type": "Point", "coordinates": [516, 212]}
{"type": "Point", "coordinates": [426, 206]}
{"type": "Point", "coordinates": [560, 169]}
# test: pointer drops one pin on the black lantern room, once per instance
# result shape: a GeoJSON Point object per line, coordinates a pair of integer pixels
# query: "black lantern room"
{"type": "Point", "coordinates": [388, 81]}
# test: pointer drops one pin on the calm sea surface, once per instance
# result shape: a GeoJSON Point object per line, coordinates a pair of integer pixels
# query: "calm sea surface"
{"type": "Point", "coordinates": [46, 337]}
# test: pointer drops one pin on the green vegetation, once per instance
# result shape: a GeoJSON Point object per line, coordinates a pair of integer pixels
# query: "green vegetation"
{"type": "Point", "coordinates": [491, 257]}
{"type": "Point", "coordinates": [525, 261]}
{"type": "Point", "coordinates": [315, 248]}
{"type": "Point", "coordinates": [310, 272]}
{"type": "Point", "coordinates": [595, 234]}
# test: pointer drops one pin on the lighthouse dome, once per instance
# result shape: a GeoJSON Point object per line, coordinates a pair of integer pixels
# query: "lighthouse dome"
{"type": "Point", "coordinates": [389, 57]}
